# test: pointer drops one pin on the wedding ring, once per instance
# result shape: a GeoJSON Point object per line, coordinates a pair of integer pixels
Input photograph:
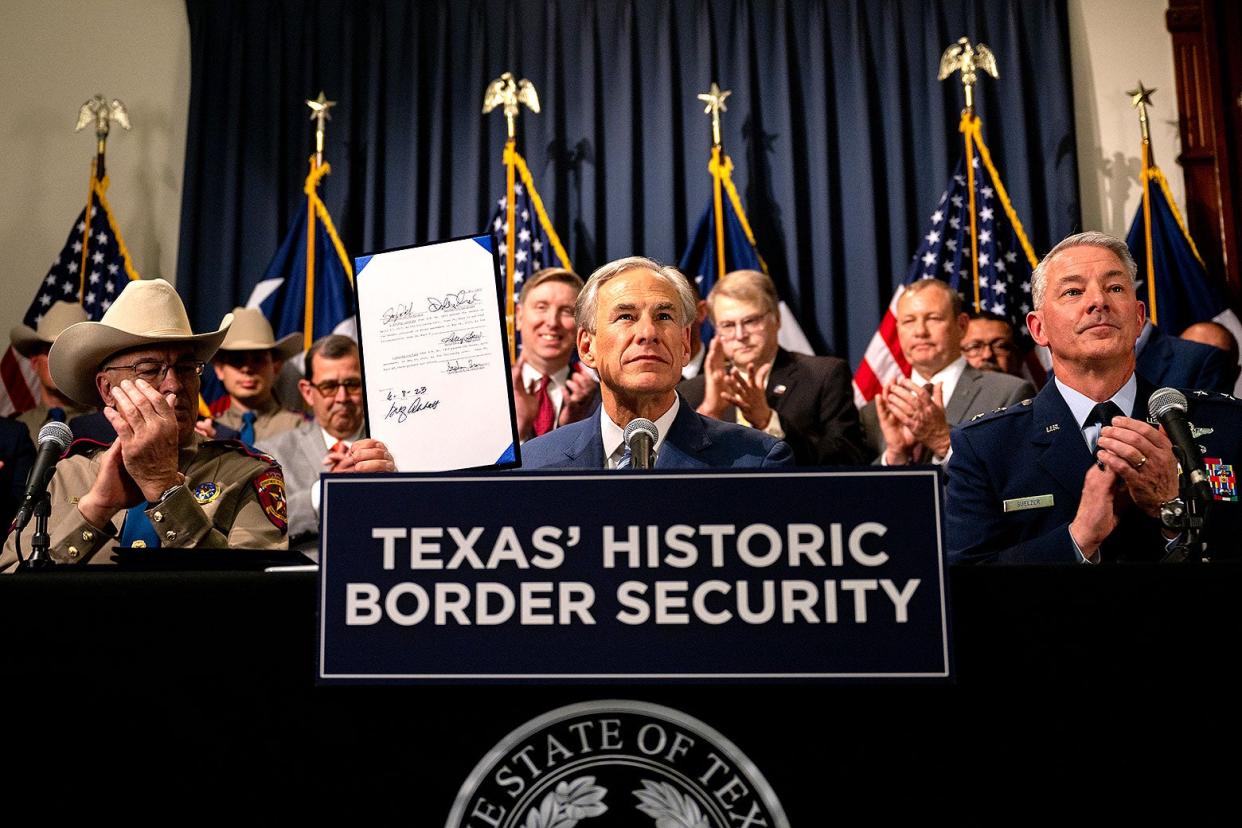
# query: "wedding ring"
{"type": "Point", "coordinates": [1140, 463]}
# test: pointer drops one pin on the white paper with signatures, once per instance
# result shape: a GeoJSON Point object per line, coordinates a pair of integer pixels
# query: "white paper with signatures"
{"type": "Point", "coordinates": [434, 356]}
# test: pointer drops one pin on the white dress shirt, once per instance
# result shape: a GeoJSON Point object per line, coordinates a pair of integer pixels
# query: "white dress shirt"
{"type": "Point", "coordinates": [614, 435]}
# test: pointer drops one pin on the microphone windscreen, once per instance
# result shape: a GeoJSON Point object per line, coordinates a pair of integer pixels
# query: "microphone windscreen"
{"type": "Point", "coordinates": [1165, 400]}
{"type": "Point", "coordinates": [56, 432]}
{"type": "Point", "coordinates": [640, 425]}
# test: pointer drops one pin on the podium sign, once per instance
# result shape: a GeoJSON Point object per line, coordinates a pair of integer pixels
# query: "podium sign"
{"type": "Point", "coordinates": [589, 576]}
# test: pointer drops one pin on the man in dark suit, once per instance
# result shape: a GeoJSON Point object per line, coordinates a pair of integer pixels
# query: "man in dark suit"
{"type": "Point", "coordinates": [748, 379]}
{"type": "Point", "coordinates": [1168, 361]}
{"type": "Point", "coordinates": [1079, 474]}
{"type": "Point", "coordinates": [910, 419]}
{"type": "Point", "coordinates": [634, 319]}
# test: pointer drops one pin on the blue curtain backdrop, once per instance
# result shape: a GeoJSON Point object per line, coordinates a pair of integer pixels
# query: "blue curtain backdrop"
{"type": "Point", "coordinates": [842, 136]}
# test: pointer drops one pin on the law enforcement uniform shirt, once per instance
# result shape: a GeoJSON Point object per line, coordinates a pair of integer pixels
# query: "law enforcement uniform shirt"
{"type": "Point", "coordinates": [231, 497]}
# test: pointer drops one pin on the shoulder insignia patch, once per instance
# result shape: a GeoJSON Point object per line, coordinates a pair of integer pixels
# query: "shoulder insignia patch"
{"type": "Point", "coordinates": [204, 493]}
{"type": "Point", "coordinates": [270, 487]}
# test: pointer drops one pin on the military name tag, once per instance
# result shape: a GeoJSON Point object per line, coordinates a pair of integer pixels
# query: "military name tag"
{"type": "Point", "coordinates": [1019, 504]}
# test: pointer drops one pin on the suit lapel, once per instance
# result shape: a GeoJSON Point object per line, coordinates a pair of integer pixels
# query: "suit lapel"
{"type": "Point", "coordinates": [686, 439]}
{"type": "Point", "coordinates": [1065, 455]}
{"type": "Point", "coordinates": [314, 450]}
{"type": "Point", "coordinates": [964, 394]}
{"type": "Point", "coordinates": [784, 373]}
{"type": "Point", "coordinates": [587, 451]}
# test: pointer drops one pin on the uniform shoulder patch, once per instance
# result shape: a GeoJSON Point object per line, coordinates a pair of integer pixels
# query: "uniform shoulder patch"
{"type": "Point", "coordinates": [270, 488]}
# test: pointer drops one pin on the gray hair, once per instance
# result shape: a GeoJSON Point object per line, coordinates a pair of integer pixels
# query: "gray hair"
{"type": "Point", "coordinates": [745, 286]}
{"type": "Point", "coordinates": [1091, 238]}
{"type": "Point", "coordinates": [588, 298]}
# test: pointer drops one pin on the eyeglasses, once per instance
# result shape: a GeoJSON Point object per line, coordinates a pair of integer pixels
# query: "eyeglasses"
{"type": "Point", "coordinates": [153, 372]}
{"type": "Point", "coordinates": [997, 346]}
{"type": "Point", "coordinates": [734, 330]}
{"type": "Point", "coordinates": [328, 388]}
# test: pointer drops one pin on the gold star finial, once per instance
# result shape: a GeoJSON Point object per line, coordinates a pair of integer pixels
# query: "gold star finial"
{"type": "Point", "coordinates": [319, 112]}
{"type": "Point", "coordinates": [715, 100]}
{"type": "Point", "coordinates": [1141, 96]}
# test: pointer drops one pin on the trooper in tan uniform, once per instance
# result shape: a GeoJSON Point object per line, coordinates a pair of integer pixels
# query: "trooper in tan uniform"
{"type": "Point", "coordinates": [159, 479]}
{"type": "Point", "coordinates": [34, 344]}
{"type": "Point", "coordinates": [247, 364]}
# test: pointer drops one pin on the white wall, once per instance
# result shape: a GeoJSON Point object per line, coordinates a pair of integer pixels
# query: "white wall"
{"type": "Point", "coordinates": [54, 55]}
{"type": "Point", "coordinates": [1116, 43]}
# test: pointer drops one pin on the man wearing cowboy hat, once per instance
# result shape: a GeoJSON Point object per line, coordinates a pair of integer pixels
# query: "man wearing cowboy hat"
{"type": "Point", "coordinates": [159, 483]}
{"type": "Point", "coordinates": [34, 344]}
{"type": "Point", "coordinates": [247, 364]}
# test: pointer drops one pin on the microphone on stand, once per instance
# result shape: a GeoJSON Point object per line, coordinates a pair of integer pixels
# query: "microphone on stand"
{"type": "Point", "coordinates": [641, 436]}
{"type": "Point", "coordinates": [54, 440]}
{"type": "Point", "coordinates": [1169, 406]}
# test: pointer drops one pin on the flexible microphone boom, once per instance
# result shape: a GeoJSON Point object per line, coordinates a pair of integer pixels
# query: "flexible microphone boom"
{"type": "Point", "coordinates": [641, 436]}
{"type": "Point", "coordinates": [1168, 405]}
{"type": "Point", "coordinates": [54, 440]}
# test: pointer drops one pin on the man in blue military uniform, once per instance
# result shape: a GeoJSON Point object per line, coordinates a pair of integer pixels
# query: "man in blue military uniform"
{"type": "Point", "coordinates": [1079, 474]}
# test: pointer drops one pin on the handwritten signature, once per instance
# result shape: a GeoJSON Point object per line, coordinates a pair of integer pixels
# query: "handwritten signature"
{"type": "Point", "coordinates": [453, 301]}
{"type": "Point", "coordinates": [457, 366]}
{"type": "Point", "coordinates": [403, 411]}
{"type": "Point", "coordinates": [462, 339]}
{"type": "Point", "coordinates": [397, 312]}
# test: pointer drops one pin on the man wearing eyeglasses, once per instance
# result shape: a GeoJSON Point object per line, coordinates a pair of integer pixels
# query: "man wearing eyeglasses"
{"type": "Point", "coordinates": [989, 344]}
{"type": "Point", "coordinates": [334, 442]}
{"type": "Point", "coordinates": [747, 378]}
{"type": "Point", "coordinates": [159, 483]}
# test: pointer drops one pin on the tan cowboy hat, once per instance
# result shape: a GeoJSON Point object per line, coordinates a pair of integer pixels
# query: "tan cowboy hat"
{"type": "Point", "coordinates": [252, 332]}
{"type": "Point", "coordinates": [146, 312]}
{"type": "Point", "coordinates": [29, 341]}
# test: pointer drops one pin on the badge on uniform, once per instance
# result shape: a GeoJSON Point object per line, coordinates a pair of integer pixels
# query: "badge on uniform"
{"type": "Point", "coordinates": [1019, 504]}
{"type": "Point", "coordinates": [1222, 479]}
{"type": "Point", "coordinates": [204, 493]}
{"type": "Point", "coordinates": [271, 489]}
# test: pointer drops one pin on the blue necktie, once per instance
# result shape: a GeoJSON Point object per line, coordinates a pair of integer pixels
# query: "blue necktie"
{"type": "Point", "coordinates": [247, 429]}
{"type": "Point", "coordinates": [138, 528]}
{"type": "Point", "coordinates": [56, 413]}
{"type": "Point", "coordinates": [627, 459]}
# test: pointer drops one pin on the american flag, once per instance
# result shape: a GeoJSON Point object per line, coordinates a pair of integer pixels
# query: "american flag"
{"type": "Point", "coordinates": [91, 269]}
{"type": "Point", "coordinates": [945, 253]}
{"type": "Point", "coordinates": [532, 245]}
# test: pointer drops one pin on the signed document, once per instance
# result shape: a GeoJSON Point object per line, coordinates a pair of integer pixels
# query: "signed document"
{"type": "Point", "coordinates": [435, 358]}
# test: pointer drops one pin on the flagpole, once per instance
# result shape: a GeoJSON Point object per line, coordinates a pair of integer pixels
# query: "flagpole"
{"type": "Point", "coordinates": [714, 97]}
{"type": "Point", "coordinates": [319, 113]}
{"type": "Point", "coordinates": [1140, 100]}
{"type": "Point", "coordinates": [504, 91]}
{"type": "Point", "coordinates": [968, 58]}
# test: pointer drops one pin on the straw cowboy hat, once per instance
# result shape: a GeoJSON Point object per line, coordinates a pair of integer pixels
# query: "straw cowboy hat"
{"type": "Point", "coordinates": [29, 341]}
{"type": "Point", "coordinates": [147, 312]}
{"type": "Point", "coordinates": [252, 332]}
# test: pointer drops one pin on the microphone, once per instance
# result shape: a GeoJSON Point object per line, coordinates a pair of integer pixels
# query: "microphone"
{"type": "Point", "coordinates": [641, 435]}
{"type": "Point", "coordinates": [1168, 405]}
{"type": "Point", "coordinates": [54, 439]}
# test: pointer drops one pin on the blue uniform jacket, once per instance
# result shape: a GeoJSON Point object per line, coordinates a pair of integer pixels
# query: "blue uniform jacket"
{"type": "Point", "coordinates": [1035, 449]}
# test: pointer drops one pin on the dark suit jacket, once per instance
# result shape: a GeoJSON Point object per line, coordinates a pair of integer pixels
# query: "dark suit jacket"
{"type": "Point", "coordinates": [1037, 449]}
{"type": "Point", "coordinates": [18, 453]}
{"type": "Point", "coordinates": [693, 442]}
{"type": "Point", "coordinates": [1178, 363]}
{"type": "Point", "coordinates": [977, 392]}
{"type": "Point", "coordinates": [815, 400]}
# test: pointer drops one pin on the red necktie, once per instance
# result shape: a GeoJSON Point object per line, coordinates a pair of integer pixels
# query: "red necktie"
{"type": "Point", "coordinates": [339, 445]}
{"type": "Point", "coordinates": [546, 414]}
